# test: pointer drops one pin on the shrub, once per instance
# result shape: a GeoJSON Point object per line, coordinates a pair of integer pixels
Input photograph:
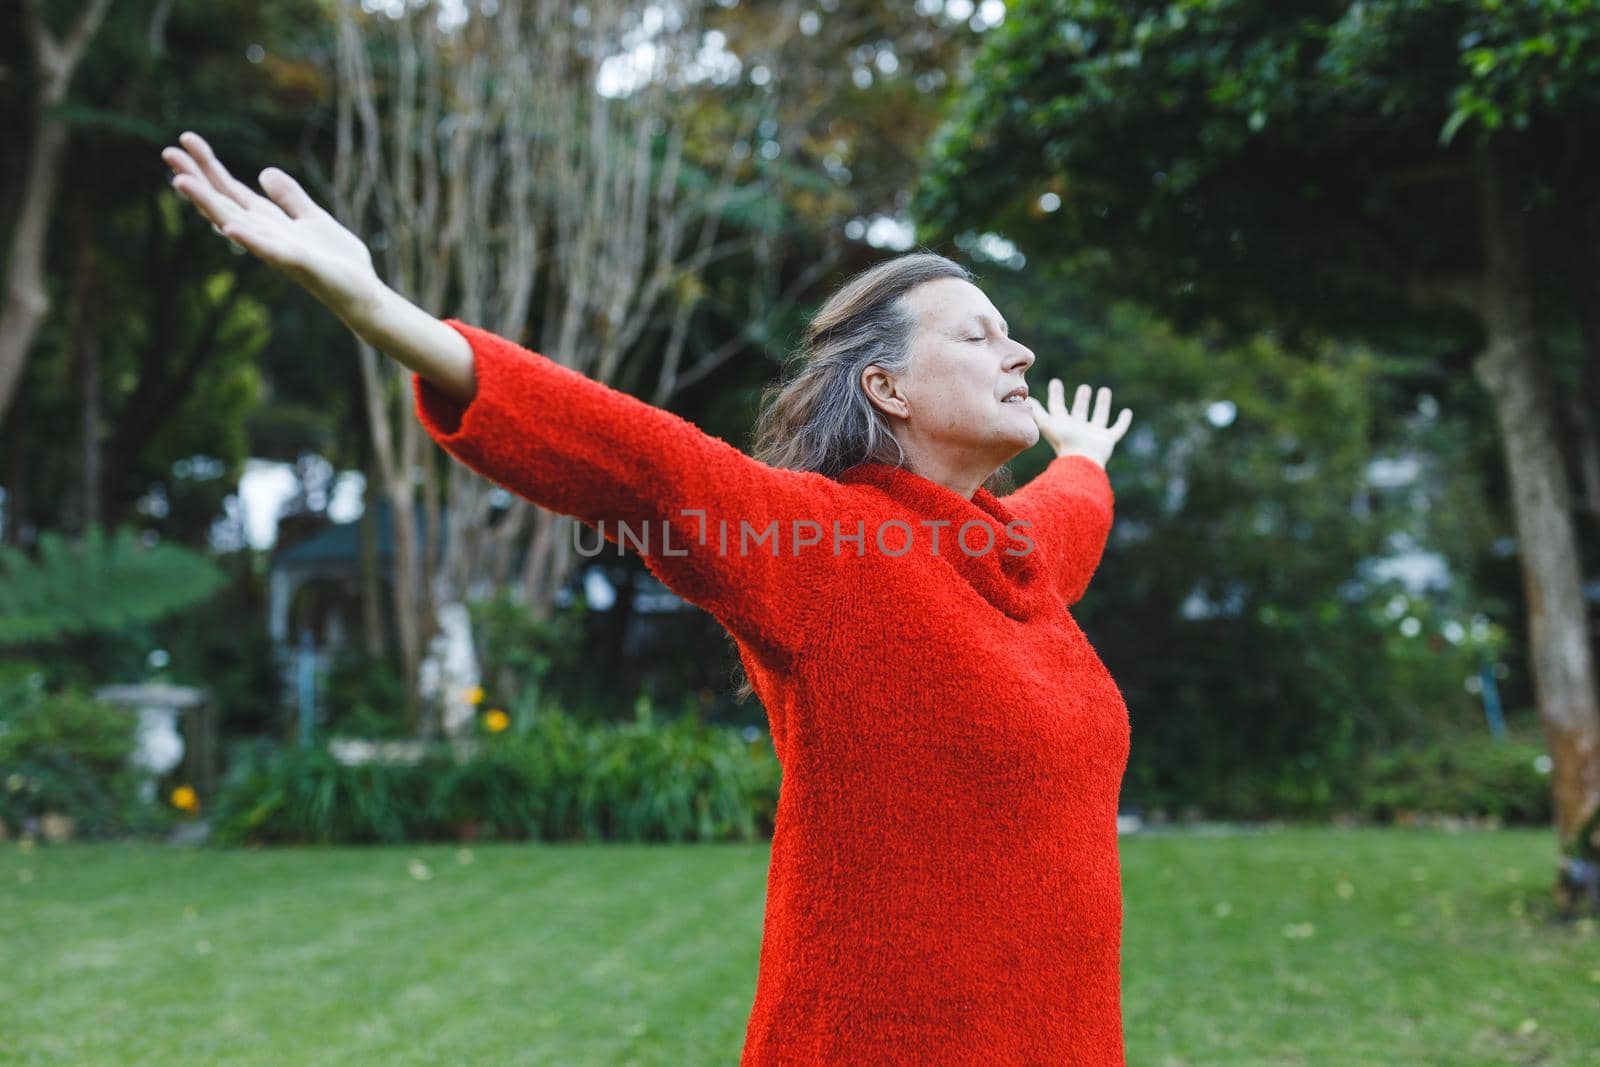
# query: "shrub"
{"type": "Point", "coordinates": [556, 780]}
{"type": "Point", "coordinates": [290, 794]}
{"type": "Point", "coordinates": [63, 753]}
{"type": "Point", "coordinates": [1467, 775]}
{"type": "Point", "coordinates": [365, 695]}
{"type": "Point", "coordinates": [523, 655]}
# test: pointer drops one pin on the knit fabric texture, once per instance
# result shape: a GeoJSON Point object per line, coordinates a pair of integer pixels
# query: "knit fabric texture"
{"type": "Point", "coordinates": [944, 885]}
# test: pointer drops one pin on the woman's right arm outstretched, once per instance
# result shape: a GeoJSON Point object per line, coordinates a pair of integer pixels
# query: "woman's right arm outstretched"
{"type": "Point", "coordinates": [290, 232]}
{"type": "Point", "coordinates": [748, 542]}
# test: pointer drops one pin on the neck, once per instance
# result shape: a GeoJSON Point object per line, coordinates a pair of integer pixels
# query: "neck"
{"type": "Point", "coordinates": [958, 473]}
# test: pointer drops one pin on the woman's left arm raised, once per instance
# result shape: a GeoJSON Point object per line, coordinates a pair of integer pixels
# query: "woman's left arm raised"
{"type": "Point", "coordinates": [1069, 505]}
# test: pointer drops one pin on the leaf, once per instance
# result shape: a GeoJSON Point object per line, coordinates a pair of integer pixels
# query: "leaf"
{"type": "Point", "coordinates": [1457, 119]}
{"type": "Point", "coordinates": [97, 585]}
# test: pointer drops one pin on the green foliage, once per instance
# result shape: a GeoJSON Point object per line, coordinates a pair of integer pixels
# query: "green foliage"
{"type": "Point", "coordinates": [1521, 61]}
{"type": "Point", "coordinates": [96, 585]}
{"type": "Point", "coordinates": [63, 753]}
{"type": "Point", "coordinates": [1470, 774]}
{"type": "Point", "coordinates": [556, 781]}
{"type": "Point", "coordinates": [1262, 162]}
{"type": "Point", "coordinates": [223, 646]}
{"type": "Point", "coordinates": [680, 781]}
{"type": "Point", "coordinates": [1466, 774]}
{"type": "Point", "coordinates": [364, 695]}
{"type": "Point", "coordinates": [1260, 652]}
{"type": "Point", "coordinates": [188, 330]}
{"type": "Point", "coordinates": [523, 656]}
{"type": "Point", "coordinates": [1265, 176]}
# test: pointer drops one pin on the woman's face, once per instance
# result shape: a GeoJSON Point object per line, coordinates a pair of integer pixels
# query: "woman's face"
{"type": "Point", "coordinates": [950, 404]}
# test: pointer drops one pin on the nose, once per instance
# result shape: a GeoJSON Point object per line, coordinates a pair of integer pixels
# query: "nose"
{"type": "Point", "coordinates": [1021, 357]}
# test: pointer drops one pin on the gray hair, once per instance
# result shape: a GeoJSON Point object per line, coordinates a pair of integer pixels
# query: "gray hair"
{"type": "Point", "coordinates": [818, 418]}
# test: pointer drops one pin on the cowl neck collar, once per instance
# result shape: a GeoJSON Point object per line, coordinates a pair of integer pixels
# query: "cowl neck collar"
{"type": "Point", "coordinates": [1017, 585]}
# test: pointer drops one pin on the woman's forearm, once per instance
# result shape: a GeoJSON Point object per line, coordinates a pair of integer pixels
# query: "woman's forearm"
{"type": "Point", "coordinates": [409, 335]}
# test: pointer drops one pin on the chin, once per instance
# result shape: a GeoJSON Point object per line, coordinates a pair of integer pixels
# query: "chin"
{"type": "Point", "coordinates": [1013, 445]}
{"type": "Point", "coordinates": [1030, 438]}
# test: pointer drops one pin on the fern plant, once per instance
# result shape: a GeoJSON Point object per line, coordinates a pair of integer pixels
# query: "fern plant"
{"type": "Point", "coordinates": [100, 584]}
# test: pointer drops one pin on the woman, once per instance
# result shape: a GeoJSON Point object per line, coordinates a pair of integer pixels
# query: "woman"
{"type": "Point", "coordinates": [944, 884]}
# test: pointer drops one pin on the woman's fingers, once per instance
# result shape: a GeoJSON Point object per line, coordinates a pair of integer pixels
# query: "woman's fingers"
{"type": "Point", "coordinates": [181, 162]}
{"type": "Point", "coordinates": [287, 193]}
{"type": "Point", "coordinates": [224, 182]}
{"type": "Point", "coordinates": [218, 209]}
{"type": "Point", "coordinates": [221, 179]}
{"type": "Point", "coordinates": [1080, 403]}
{"type": "Point", "coordinates": [1102, 407]}
{"type": "Point", "coordinates": [229, 205]}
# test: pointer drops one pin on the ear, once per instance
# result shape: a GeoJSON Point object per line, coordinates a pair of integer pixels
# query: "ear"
{"type": "Point", "coordinates": [883, 392]}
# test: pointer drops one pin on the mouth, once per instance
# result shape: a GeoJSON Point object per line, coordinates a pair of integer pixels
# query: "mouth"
{"type": "Point", "coordinates": [1019, 395]}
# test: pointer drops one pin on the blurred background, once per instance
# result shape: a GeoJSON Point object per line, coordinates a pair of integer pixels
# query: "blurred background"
{"type": "Point", "coordinates": [1341, 259]}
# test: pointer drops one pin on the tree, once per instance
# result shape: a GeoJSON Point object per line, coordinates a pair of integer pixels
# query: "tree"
{"type": "Point", "coordinates": [533, 167]}
{"type": "Point", "coordinates": [172, 358]}
{"type": "Point", "coordinates": [27, 302]}
{"type": "Point", "coordinates": [1251, 548]}
{"type": "Point", "coordinates": [1391, 170]}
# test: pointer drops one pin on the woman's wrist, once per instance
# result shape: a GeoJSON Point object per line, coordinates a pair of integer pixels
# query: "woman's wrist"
{"type": "Point", "coordinates": [1060, 452]}
{"type": "Point", "coordinates": [362, 315]}
{"type": "Point", "coordinates": [409, 335]}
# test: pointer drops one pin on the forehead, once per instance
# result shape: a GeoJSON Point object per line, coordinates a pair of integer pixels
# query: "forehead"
{"type": "Point", "coordinates": [949, 302]}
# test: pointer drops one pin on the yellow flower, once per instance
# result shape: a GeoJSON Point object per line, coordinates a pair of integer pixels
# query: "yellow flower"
{"type": "Point", "coordinates": [474, 695]}
{"type": "Point", "coordinates": [496, 720]}
{"type": "Point", "coordinates": [184, 799]}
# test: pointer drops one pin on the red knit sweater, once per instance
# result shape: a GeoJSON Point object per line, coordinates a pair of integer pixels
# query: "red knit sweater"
{"type": "Point", "coordinates": [943, 885]}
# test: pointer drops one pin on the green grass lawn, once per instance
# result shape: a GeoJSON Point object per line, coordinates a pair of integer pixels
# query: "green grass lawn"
{"type": "Point", "coordinates": [1294, 947]}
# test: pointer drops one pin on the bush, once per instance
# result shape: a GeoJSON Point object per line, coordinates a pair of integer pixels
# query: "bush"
{"type": "Point", "coordinates": [365, 695]}
{"type": "Point", "coordinates": [558, 780]}
{"type": "Point", "coordinates": [523, 656]}
{"type": "Point", "coordinates": [1468, 775]}
{"type": "Point", "coordinates": [63, 753]}
{"type": "Point", "coordinates": [291, 794]}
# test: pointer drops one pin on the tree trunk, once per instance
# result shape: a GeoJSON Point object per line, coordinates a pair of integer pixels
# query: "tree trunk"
{"type": "Point", "coordinates": [86, 358]}
{"type": "Point", "coordinates": [19, 529]}
{"type": "Point", "coordinates": [549, 560]}
{"type": "Point", "coordinates": [26, 301]}
{"type": "Point", "coordinates": [407, 587]}
{"type": "Point", "coordinates": [1513, 370]}
{"type": "Point", "coordinates": [1583, 238]}
{"type": "Point", "coordinates": [371, 586]}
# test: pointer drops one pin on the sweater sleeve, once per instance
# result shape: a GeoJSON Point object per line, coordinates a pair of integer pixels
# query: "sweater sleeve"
{"type": "Point", "coordinates": [1069, 507]}
{"type": "Point", "coordinates": [646, 478]}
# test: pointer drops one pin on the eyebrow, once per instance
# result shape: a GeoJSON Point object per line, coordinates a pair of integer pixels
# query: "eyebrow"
{"type": "Point", "coordinates": [1005, 329]}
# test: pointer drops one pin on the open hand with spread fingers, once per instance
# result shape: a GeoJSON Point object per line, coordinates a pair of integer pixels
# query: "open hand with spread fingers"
{"type": "Point", "coordinates": [1075, 430]}
{"type": "Point", "coordinates": [285, 228]}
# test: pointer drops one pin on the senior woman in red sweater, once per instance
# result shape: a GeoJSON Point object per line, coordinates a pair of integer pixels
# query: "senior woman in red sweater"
{"type": "Point", "coordinates": [944, 885]}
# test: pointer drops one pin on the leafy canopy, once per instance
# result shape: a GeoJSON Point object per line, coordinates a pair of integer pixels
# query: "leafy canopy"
{"type": "Point", "coordinates": [1298, 163]}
